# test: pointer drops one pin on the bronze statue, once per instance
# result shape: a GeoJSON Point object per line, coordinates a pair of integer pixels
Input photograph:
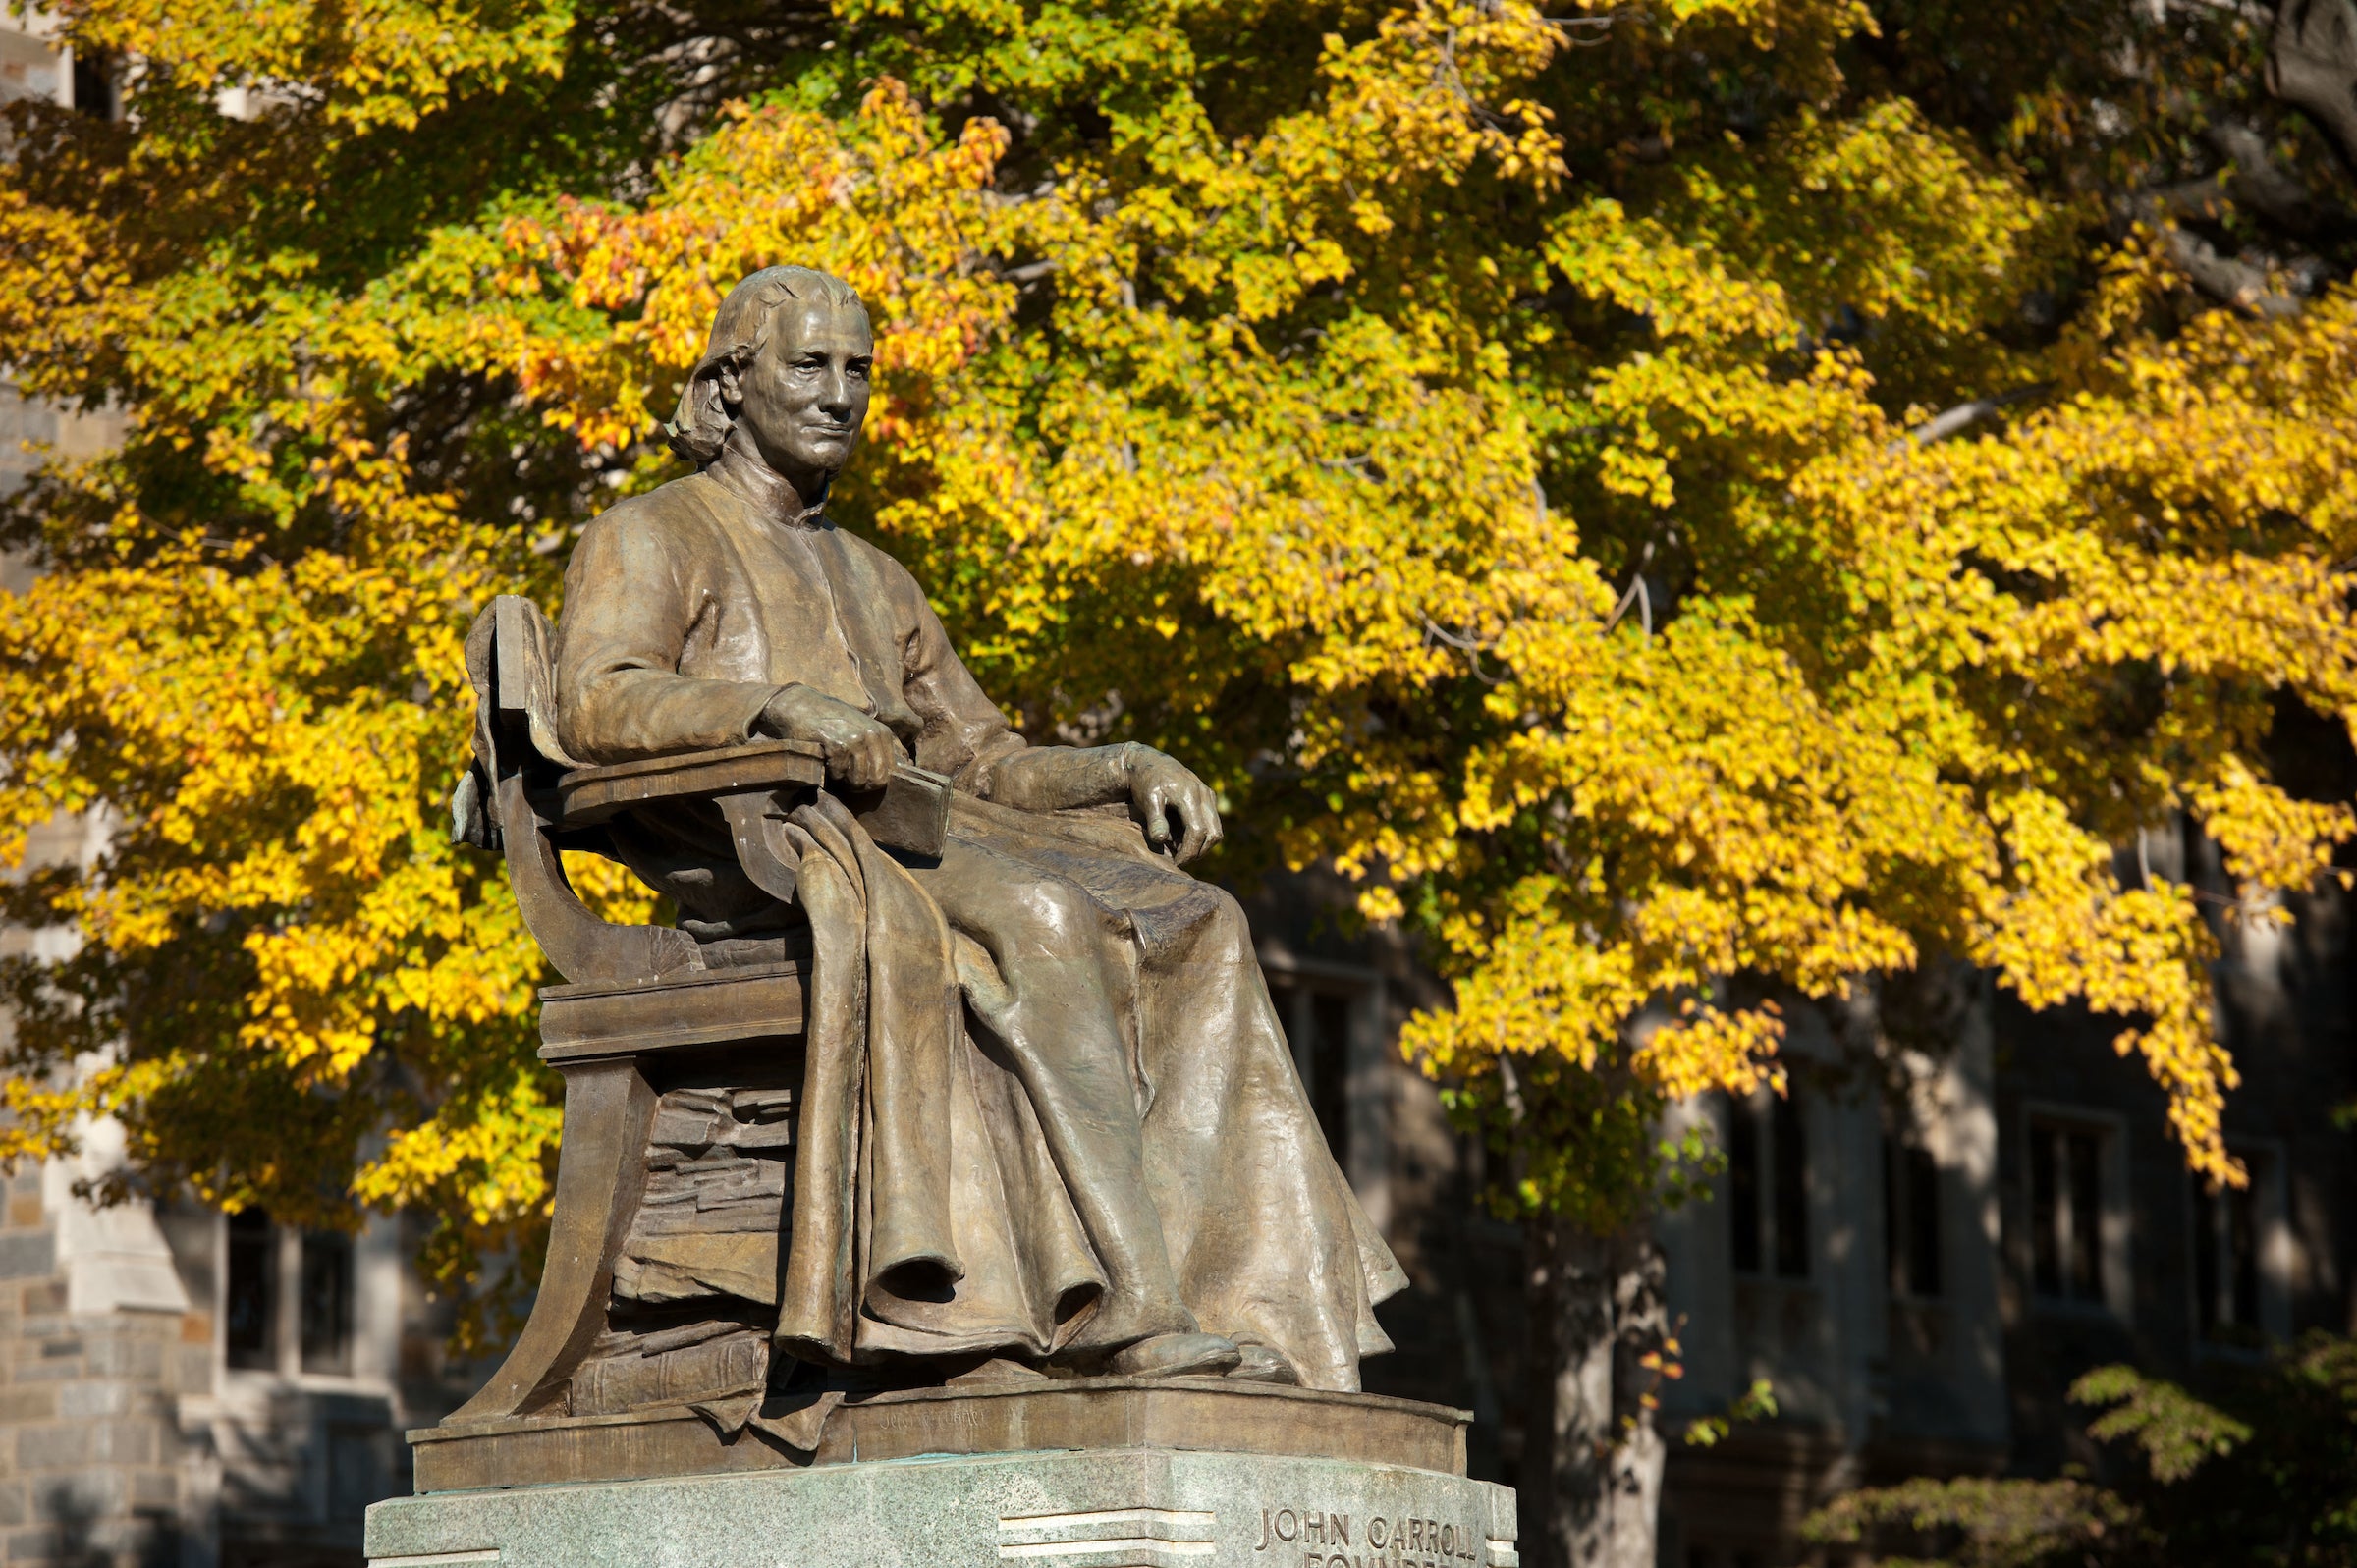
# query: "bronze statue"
{"type": "Point", "coordinates": [1049, 1122]}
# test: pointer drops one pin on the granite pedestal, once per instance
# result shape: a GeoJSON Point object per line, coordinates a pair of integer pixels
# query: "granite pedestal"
{"type": "Point", "coordinates": [1120, 1475]}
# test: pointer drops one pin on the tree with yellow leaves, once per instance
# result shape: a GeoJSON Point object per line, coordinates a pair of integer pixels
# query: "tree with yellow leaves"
{"type": "Point", "coordinates": [1680, 503]}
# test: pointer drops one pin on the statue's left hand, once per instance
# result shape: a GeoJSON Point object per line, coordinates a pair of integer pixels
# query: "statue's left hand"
{"type": "Point", "coordinates": [1160, 786]}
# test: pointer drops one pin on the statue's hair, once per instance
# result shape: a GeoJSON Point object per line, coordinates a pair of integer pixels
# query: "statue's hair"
{"type": "Point", "coordinates": [700, 426]}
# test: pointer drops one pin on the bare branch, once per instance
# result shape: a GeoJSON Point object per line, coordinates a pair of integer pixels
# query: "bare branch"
{"type": "Point", "coordinates": [2225, 279]}
{"type": "Point", "coordinates": [1964, 415]}
{"type": "Point", "coordinates": [1470, 647]}
{"type": "Point", "coordinates": [1459, 642]}
{"type": "Point", "coordinates": [1584, 33]}
{"type": "Point", "coordinates": [1638, 595]}
{"type": "Point", "coordinates": [2265, 186]}
{"type": "Point", "coordinates": [2252, 181]}
{"type": "Point", "coordinates": [2230, 281]}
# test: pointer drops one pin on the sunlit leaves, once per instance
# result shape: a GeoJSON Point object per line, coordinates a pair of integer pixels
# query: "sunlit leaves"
{"type": "Point", "coordinates": [1476, 440]}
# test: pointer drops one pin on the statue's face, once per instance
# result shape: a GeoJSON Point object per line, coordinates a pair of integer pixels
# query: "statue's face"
{"type": "Point", "coordinates": [803, 397]}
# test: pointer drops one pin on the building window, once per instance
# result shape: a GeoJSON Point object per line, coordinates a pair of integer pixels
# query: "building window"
{"type": "Point", "coordinates": [1743, 1187]}
{"type": "Point", "coordinates": [1791, 1195]}
{"type": "Point", "coordinates": [1768, 1186]}
{"type": "Point", "coordinates": [2067, 1213]}
{"type": "Point", "coordinates": [287, 1297]}
{"type": "Point", "coordinates": [1317, 1023]}
{"type": "Point", "coordinates": [252, 1291]}
{"type": "Point", "coordinates": [96, 91]}
{"type": "Point", "coordinates": [1911, 1219]}
{"type": "Point", "coordinates": [2225, 1261]}
{"type": "Point", "coordinates": [326, 1302]}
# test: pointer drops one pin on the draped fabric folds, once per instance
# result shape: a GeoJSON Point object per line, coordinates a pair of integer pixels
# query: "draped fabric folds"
{"type": "Point", "coordinates": [930, 1217]}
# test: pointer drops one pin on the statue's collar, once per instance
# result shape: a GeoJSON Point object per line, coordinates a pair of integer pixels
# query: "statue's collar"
{"type": "Point", "coordinates": [764, 509]}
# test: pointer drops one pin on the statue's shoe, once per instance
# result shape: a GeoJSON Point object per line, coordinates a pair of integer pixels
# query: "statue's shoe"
{"type": "Point", "coordinates": [997, 1370]}
{"type": "Point", "coordinates": [1260, 1364]}
{"type": "Point", "coordinates": [1176, 1356]}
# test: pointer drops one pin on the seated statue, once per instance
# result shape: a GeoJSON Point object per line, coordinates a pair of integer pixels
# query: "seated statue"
{"type": "Point", "coordinates": [1050, 1122]}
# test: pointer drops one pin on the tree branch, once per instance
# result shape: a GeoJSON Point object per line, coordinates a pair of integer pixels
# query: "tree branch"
{"type": "Point", "coordinates": [1964, 415]}
{"type": "Point", "coordinates": [2266, 188]}
{"type": "Point", "coordinates": [2228, 280]}
{"type": "Point", "coordinates": [1638, 595]}
{"type": "Point", "coordinates": [2225, 279]}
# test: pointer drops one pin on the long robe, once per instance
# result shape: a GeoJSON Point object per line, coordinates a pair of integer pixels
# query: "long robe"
{"type": "Point", "coordinates": [932, 1215]}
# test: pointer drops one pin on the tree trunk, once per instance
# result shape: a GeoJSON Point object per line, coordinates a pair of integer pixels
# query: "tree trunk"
{"type": "Point", "coordinates": [2312, 65]}
{"type": "Point", "coordinates": [1591, 1474]}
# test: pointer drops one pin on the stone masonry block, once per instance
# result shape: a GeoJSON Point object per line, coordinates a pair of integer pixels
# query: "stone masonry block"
{"type": "Point", "coordinates": [124, 1440]}
{"type": "Point", "coordinates": [83, 1401]}
{"type": "Point", "coordinates": [44, 1296]}
{"type": "Point", "coordinates": [124, 1357]}
{"type": "Point", "coordinates": [34, 1546]}
{"type": "Point", "coordinates": [28, 1257]}
{"type": "Point", "coordinates": [82, 1497]}
{"type": "Point", "coordinates": [194, 1372]}
{"type": "Point", "coordinates": [66, 1368]}
{"type": "Point", "coordinates": [12, 1503]}
{"type": "Point", "coordinates": [125, 1542]}
{"type": "Point", "coordinates": [154, 1488]}
{"type": "Point", "coordinates": [64, 1445]}
{"type": "Point", "coordinates": [38, 1403]}
{"type": "Point", "coordinates": [25, 1211]}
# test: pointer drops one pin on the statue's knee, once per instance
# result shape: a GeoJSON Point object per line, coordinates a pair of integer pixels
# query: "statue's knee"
{"type": "Point", "coordinates": [1229, 923]}
{"type": "Point", "coordinates": [1053, 915]}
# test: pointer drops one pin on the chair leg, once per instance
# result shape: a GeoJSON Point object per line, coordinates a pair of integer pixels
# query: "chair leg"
{"type": "Point", "coordinates": [609, 1109]}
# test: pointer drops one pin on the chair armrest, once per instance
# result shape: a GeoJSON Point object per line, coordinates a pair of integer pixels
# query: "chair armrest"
{"type": "Point", "coordinates": [587, 796]}
{"type": "Point", "coordinates": [910, 812]}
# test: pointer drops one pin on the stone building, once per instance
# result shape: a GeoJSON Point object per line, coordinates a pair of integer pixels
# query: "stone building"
{"type": "Point", "coordinates": [1925, 1246]}
{"type": "Point", "coordinates": [187, 1390]}
{"type": "Point", "coordinates": [1961, 1206]}
{"type": "Point", "coordinates": [181, 1388]}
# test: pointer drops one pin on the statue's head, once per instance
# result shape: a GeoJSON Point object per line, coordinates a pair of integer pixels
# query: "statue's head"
{"type": "Point", "coordinates": [786, 372]}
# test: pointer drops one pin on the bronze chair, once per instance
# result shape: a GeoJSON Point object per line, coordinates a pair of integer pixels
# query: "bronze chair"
{"type": "Point", "coordinates": [661, 1054]}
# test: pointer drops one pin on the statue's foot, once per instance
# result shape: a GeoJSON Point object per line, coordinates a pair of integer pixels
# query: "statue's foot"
{"type": "Point", "coordinates": [1176, 1356]}
{"type": "Point", "coordinates": [997, 1370]}
{"type": "Point", "coordinates": [1260, 1364]}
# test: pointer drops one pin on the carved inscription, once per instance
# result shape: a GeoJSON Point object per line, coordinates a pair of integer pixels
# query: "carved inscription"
{"type": "Point", "coordinates": [1326, 1539]}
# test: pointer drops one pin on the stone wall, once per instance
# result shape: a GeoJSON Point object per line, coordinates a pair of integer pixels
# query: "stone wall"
{"type": "Point", "coordinates": [95, 1468]}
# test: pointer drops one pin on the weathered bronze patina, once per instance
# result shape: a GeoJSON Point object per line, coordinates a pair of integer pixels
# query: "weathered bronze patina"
{"type": "Point", "coordinates": [948, 1076]}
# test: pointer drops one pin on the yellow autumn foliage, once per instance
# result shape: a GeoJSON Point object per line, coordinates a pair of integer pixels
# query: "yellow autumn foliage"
{"type": "Point", "coordinates": [1488, 497]}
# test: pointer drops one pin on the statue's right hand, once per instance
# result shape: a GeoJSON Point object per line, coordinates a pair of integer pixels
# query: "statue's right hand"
{"type": "Point", "coordinates": [859, 751]}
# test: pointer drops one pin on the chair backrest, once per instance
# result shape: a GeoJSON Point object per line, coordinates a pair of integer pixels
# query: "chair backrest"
{"type": "Point", "coordinates": [498, 806]}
